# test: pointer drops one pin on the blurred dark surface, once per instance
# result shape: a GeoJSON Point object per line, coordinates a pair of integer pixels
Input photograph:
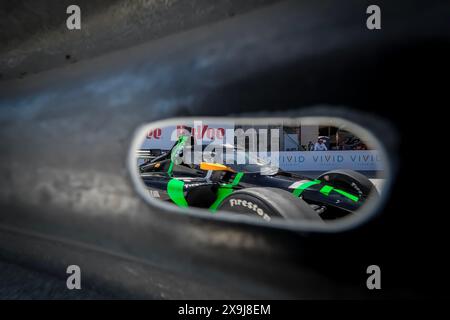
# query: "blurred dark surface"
{"type": "Point", "coordinates": [66, 196]}
{"type": "Point", "coordinates": [34, 37]}
{"type": "Point", "coordinates": [18, 282]}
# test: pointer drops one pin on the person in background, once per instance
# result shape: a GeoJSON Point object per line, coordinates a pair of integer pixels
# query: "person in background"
{"type": "Point", "coordinates": [320, 146]}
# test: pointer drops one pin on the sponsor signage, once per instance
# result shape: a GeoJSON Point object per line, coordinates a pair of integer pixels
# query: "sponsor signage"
{"type": "Point", "coordinates": [360, 160]}
{"type": "Point", "coordinates": [204, 133]}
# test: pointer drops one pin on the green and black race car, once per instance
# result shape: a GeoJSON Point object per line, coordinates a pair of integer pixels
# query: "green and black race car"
{"type": "Point", "coordinates": [254, 188]}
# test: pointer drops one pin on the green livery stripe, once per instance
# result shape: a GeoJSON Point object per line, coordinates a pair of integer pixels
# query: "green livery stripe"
{"type": "Point", "coordinates": [174, 153]}
{"type": "Point", "coordinates": [237, 178]}
{"type": "Point", "coordinates": [222, 193]}
{"type": "Point", "coordinates": [178, 147]}
{"type": "Point", "coordinates": [169, 172]}
{"type": "Point", "coordinates": [225, 190]}
{"type": "Point", "coordinates": [175, 189]}
{"type": "Point", "coordinates": [299, 190]}
{"type": "Point", "coordinates": [326, 190]}
{"type": "Point", "coordinates": [348, 195]}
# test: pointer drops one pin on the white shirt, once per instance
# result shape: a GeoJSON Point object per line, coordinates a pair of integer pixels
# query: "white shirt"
{"type": "Point", "coordinates": [320, 147]}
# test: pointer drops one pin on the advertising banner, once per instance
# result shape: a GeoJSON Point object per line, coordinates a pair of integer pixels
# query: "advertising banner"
{"type": "Point", "coordinates": [359, 160]}
{"type": "Point", "coordinates": [204, 133]}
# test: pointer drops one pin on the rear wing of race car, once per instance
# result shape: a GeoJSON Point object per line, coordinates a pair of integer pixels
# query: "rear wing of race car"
{"type": "Point", "coordinates": [149, 154]}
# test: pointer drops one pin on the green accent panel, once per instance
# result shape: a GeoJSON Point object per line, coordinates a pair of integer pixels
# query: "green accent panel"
{"type": "Point", "coordinates": [299, 190]}
{"type": "Point", "coordinates": [175, 189]}
{"type": "Point", "coordinates": [222, 193]}
{"type": "Point", "coordinates": [225, 190]}
{"type": "Point", "coordinates": [173, 155]}
{"type": "Point", "coordinates": [237, 178]}
{"type": "Point", "coordinates": [169, 172]}
{"type": "Point", "coordinates": [326, 190]}
{"type": "Point", "coordinates": [180, 145]}
{"type": "Point", "coordinates": [348, 195]}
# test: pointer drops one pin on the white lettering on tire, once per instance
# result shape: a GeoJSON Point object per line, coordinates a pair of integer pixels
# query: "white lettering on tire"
{"type": "Point", "coordinates": [250, 205]}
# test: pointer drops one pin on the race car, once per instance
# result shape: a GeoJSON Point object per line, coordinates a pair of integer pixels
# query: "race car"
{"type": "Point", "coordinates": [253, 188]}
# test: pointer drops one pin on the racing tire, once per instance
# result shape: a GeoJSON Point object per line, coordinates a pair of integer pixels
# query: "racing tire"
{"type": "Point", "coordinates": [350, 181]}
{"type": "Point", "coordinates": [268, 203]}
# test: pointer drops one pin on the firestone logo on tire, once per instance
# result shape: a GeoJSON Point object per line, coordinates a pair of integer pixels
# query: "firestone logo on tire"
{"type": "Point", "coordinates": [248, 204]}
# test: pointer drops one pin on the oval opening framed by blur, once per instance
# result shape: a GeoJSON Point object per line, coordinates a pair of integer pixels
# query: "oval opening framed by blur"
{"type": "Point", "coordinates": [309, 171]}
